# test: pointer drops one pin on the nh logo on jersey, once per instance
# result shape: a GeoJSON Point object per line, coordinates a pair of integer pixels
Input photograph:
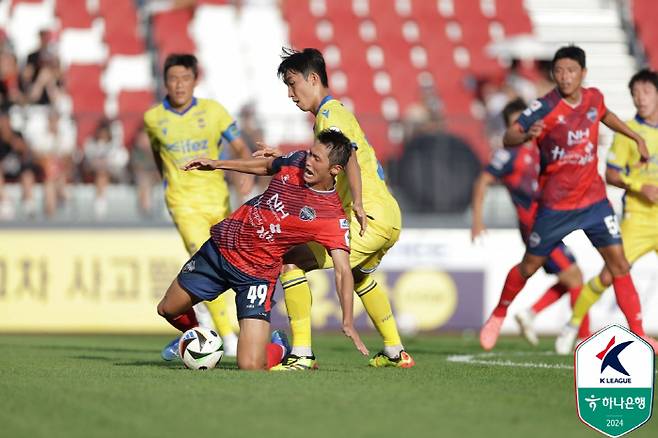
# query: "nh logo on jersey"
{"type": "Point", "coordinates": [614, 372]}
{"type": "Point", "coordinates": [577, 137]}
{"type": "Point", "coordinates": [277, 207]}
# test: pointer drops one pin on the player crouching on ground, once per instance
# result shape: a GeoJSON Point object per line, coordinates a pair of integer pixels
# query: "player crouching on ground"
{"type": "Point", "coordinates": [245, 251]}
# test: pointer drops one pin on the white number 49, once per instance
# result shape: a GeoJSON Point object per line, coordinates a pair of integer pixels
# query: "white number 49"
{"type": "Point", "coordinates": [259, 292]}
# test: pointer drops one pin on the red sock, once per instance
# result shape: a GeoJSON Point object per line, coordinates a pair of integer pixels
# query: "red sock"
{"type": "Point", "coordinates": [553, 294]}
{"type": "Point", "coordinates": [185, 321]}
{"type": "Point", "coordinates": [275, 353]}
{"type": "Point", "coordinates": [629, 302]}
{"type": "Point", "coordinates": [513, 285]}
{"type": "Point", "coordinates": [583, 331]}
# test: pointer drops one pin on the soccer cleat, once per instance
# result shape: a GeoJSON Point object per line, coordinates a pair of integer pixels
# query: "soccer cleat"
{"type": "Point", "coordinates": [296, 363]}
{"type": "Point", "coordinates": [651, 341]}
{"type": "Point", "coordinates": [170, 351]}
{"type": "Point", "coordinates": [490, 332]}
{"type": "Point", "coordinates": [280, 337]}
{"type": "Point", "coordinates": [403, 360]}
{"type": "Point", "coordinates": [565, 341]}
{"type": "Point", "coordinates": [525, 319]}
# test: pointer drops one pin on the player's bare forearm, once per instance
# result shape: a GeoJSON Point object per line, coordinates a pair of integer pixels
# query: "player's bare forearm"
{"type": "Point", "coordinates": [647, 191]}
{"type": "Point", "coordinates": [158, 160]}
{"type": "Point", "coordinates": [613, 122]}
{"type": "Point", "coordinates": [240, 149]}
{"type": "Point", "coordinates": [353, 171]}
{"type": "Point", "coordinates": [613, 177]}
{"type": "Point", "coordinates": [246, 182]}
{"type": "Point", "coordinates": [252, 166]}
{"type": "Point", "coordinates": [345, 290]}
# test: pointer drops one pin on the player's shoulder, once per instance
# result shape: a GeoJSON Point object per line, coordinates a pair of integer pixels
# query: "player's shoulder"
{"type": "Point", "coordinates": [593, 91]}
{"type": "Point", "coordinates": [209, 104]}
{"type": "Point", "coordinates": [542, 106]}
{"type": "Point", "coordinates": [151, 114]}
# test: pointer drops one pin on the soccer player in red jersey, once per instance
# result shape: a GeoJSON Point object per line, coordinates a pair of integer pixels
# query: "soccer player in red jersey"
{"type": "Point", "coordinates": [565, 123]}
{"type": "Point", "coordinates": [245, 250]}
{"type": "Point", "coordinates": [518, 169]}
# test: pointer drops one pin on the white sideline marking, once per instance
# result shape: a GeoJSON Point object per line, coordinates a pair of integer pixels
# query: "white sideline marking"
{"type": "Point", "coordinates": [479, 359]}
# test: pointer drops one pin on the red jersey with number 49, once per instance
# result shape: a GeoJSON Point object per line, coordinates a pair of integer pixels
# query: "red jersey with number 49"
{"type": "Point", "coordinates": [257, 235]}
{"type": "Point", "coordinates": [568, 144]}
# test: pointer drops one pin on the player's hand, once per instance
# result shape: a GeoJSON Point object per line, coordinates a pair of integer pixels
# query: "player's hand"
{"type": "Point", "coordinates": [361, 217]}
{"type": "Point", "coordinates": [650, 193]}
{"type": "Point", "coordinates": [201, 164]}
{"type": "Point", "coordinates": [642, 149]}
{"type": "Point", "coordinates": [477, 232]}
{"type": "Point", "coordinates": [266, 151]}
{"type": "Point", "coordinates": [535, 130]}
{"type": "Point", "coordinates": [350, 332]}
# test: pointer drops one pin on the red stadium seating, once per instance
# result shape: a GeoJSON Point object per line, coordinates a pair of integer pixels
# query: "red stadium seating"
{"type": "Point", "coordinates": [121, 29]}
{"type": "Point", "coordinates": [132, 105]}
{"type": "Point", "coordinates": [73, 13]}
{"type": "Point", "coordinates": [83, 85]}
{"type": "Point", "coordinates": [170, 31]}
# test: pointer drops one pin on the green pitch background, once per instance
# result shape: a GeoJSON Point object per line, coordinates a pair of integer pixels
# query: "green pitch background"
{"type": "Point", "coordinates": [117, 386]}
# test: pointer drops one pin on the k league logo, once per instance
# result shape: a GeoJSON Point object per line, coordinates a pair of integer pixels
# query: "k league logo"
{"type": "Point", "coordinates": [614, 371]}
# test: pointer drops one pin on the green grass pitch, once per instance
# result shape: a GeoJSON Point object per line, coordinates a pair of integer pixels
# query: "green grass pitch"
{"type": "Point", "coordinates": [117, 386]}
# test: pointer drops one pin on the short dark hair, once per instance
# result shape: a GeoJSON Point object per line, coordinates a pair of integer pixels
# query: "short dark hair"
{"type": "Point", "coordinates": [340, 147]}
{"type": "Point", "coordinates": [305, 62]}
{"type": "Point", "coordinates": [186, 60]}
{"type": "Point", "coordinates": [570, 52]}
{"type": "Point", "coordinates": [644, 75]}
{"type": "Point", "coordinates": [515, 106]}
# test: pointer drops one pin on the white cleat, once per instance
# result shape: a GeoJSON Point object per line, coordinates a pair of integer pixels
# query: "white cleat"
{"type": "Point", "coordinates": [525, 319]}
{"type": "Point", "coordinates": [565, 341]}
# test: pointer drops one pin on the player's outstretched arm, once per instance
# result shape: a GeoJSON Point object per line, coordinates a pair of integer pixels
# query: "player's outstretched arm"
{"type": "Point", "coordinates": [345, 289]}
{"type": "Point", "coordinates": [515, 135]}
{"type": "Point", "coordinates": [616, 178]}
{"type": "Point", "coordinates": [353, 171]}
{"type": "Point", "coordinates": [613, 122]}
{"type": "Point", "coordinates": [480, 187]}
{"type": "Point", "coordinates": [253, 166]}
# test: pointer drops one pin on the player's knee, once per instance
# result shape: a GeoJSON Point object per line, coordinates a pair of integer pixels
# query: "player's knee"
{"type": "Point", "coordinates": [163, 311]}
{"type": "Point", "coordinates": [605, 277]}
{"type": "Point", "coordinates": [619, 267]}
{"type": "Point", "coordinates": [528, 268]}
{"type": "Point", "coordinates": [250, 363]}
{"type": "Point", "coordinates": [572, 278]}
{"type": "Point", "coordinates": [288, 267]}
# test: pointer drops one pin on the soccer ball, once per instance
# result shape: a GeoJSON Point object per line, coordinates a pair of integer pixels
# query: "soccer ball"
{"type": "Point", "coordinates": [200, 348]}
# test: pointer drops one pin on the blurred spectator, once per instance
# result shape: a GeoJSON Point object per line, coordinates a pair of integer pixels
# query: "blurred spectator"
{"type": "Point", "coordinates": [157, 6]}
{"type": "Point", "coordinates": [16, 164]}
{"type": "Point", "coordinates": [9, 80]}
{"type": "Point", "coordinates": [52, 139]}
{"type": "Point", "coordinates": [251, 128]}
{"type": "Point", "coordinates": [41, 78]}
{"type": "Point", "coordinates": [145, 172]}
{"type": "Point", "coordinates": [545, 82]}
{"type": "Point", "coordinates": [494, 97]}
{"type": "Point", "coordinates": [519, 83]}
{"type": "Point", "coordinates": [426, 115]}
{"type": "Point", "coordinates": [105, 160]}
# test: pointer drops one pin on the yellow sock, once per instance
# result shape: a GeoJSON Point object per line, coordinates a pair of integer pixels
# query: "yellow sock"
{"type": "Point", "coordinates": [298, 300]}
{"type": "Point", "coordinates": [377, 305]}
{"type": "Point", "coordinates": [589, 295]}
{"type": "Point", "coordinates": [219, 314]}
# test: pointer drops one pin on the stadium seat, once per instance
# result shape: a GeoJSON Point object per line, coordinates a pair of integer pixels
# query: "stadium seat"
{"type": "Point", "coordinates": [132, 105]}
{"type": "Point", "coordinates": [82, 46]}
{"type": "Point", "coordinates": [73, 14]}
{"type": "Point", "coordinates": [127, 73]}
{"type": "Point", "coordinates": [121, 27]}
{"type": "Point", "coordinates": [25, 22]}
{"type": "Point", "coordinates": [83, 85]}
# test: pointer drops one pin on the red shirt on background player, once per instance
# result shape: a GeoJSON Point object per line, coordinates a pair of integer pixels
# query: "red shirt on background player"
{"type": "Point", "coordinates": [565, 126]}
{"type": "Point", "coordinates": [245, 250]}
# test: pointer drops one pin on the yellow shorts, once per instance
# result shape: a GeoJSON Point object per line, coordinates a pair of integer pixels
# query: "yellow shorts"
{"type": "Point", "coordinates": [640, 236]}
{"type": "Point", "coordinates": [367, 251]}
{"type": "Point", "coordinates": [194, 222]}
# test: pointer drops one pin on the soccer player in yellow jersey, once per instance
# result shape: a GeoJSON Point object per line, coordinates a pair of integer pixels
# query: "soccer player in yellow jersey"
{"type": "Point", "coordinates": [180, 129]}
{"type": "Point", "coordinates": [306, 77]}
{"type": "Point", "coordinates": [625, 169]}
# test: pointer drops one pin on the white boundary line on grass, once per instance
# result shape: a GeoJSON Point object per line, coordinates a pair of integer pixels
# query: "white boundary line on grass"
{"type": "Point", "coordinates": [480, 359]}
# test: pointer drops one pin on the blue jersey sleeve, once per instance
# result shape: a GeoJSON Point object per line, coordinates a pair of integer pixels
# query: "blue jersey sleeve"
{"type": "Point", "coordinates": [296, 159]}
{"type": "Point", "coordinates": [231, 133]}
{"type": "Point", "coordinates": [537, 110]}
{"type": "Point", "coordinates": [502, 162]}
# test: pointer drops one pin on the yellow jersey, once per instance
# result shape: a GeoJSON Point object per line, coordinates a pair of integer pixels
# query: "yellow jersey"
{"type": "Point", "coordinates": [196, 132]}
{"type": "Point", "coordinates": [377, 200]}
{"type": "Point", "coordinates": [624, 157]}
